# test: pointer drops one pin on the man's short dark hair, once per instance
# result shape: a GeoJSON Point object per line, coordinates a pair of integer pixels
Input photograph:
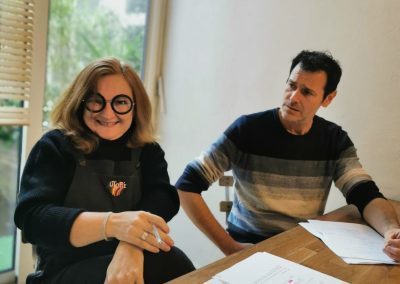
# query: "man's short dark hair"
{"type": "Point", "coordinates": [313, 61]}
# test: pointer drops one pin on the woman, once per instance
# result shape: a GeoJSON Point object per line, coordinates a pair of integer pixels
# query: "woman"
{"type": "Point", "coordinates": [95, 194]}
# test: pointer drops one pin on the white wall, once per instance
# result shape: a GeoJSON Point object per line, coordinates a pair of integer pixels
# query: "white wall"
{"type": "Point", "coordinates": [224, 58]}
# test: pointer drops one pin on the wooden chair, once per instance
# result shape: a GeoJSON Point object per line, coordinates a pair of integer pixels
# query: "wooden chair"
{"type": "Point", "coordinates": [226, 205]}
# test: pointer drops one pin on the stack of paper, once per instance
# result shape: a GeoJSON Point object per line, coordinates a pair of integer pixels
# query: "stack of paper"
{"type": "Point", "coordinates": [354, 243]}
{"type": "Point", "coordinates": [264, 268]}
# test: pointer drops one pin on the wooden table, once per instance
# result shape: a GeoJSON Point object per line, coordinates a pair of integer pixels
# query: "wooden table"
{"type": "Point", "coordinates": [300, 246]}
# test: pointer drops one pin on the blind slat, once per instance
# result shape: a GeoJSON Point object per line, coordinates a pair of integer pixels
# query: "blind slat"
{"type": "Point", "coordinates": [17, 94]}
{"type": "Point", "coordinates": [14, 97]}
{"type": "Point", "coordinates": [12, 71]}
{"type": "Point", "coordinates": [15, 121]}
{"type": "Point", "coordinates": [17, 36]}
{"type": "Point", "coordinates": [9, 46]}
{"type": "Point", "coordinates": [18, 119]}
{"type": "Point", "coordinates": [14, 116]}
{"type": "Point", "coordinates": [9, 111]}
{"type": "Point", "coordinates": [25, 5]}
{"type": "Point", "coordinates": [17, 51]}
{"type": "Point", "coordinates": [24, 11]}
{"type": "Point", "coordinates": [13, 58]}
{"type": "Point", "coordinates": [13, 77]}
{"type": "Point", "coordinates": [23, 32]}
{"type": "Point", "coordinates": [6, 64]}
{"type": "Point", "coordinates": [16, 84]}
{"type": "Point", "coordinates": [16, 18]}
{"type": "Point", "coordinates": [15, 24]}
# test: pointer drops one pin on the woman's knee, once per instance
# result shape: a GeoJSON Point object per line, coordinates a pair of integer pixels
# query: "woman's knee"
{"type": "Point", "coordinates": [92, 270]}
{"type": "Point", "coordinates": [164, 266]}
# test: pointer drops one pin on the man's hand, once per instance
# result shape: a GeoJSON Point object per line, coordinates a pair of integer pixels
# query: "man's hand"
{"type": "Point", "coordinates": [392, 244]}
{"type": "Point", "coordinates": [126, 267]}
{"type": "Point", "coordinates": [235, 247]}
{"type": "Point", "coordinates": [381, 215]}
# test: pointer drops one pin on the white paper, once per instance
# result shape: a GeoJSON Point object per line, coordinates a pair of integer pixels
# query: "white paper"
{"type": "Point", "coordinates": [311, 229]}
{"type": "Point", "coordinates": [355, 243]}
{"type": "Point", "coordinates": [265, 268]}
{"type": "Point", "coordinates": [352, 260]}
{"type": "Point", "coordinates": [214, 281]}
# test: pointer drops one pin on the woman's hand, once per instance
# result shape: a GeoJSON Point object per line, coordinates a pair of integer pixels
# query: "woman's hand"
{"type": "Point", "coordinates": [137, 228]}
{"type": "Point", "coordinates": [126, 265]}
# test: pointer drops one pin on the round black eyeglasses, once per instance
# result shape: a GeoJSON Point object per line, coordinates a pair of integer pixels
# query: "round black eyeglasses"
{"type": "Point", "coordinates": [121, 104]}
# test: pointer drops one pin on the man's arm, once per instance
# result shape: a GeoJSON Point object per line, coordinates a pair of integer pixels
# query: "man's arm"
{"type": "Point", "coordinates": [380, 214]}
{"type": "Point", "coordinates": [198, 211]}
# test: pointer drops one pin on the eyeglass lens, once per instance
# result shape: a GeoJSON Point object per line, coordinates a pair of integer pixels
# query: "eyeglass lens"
{"type": "Point", "coordinates": [120, 104]}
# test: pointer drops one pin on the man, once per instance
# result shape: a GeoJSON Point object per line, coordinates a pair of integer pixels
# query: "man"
{"type": "Point", "coordinates": [284, 161]}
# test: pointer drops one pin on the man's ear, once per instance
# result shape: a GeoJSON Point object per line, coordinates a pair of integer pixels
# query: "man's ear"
{"type": "Point", "coordinates": [329, 99]}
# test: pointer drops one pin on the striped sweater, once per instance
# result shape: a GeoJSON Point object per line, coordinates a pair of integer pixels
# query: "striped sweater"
{"type": "Point", "coordinates": [280, 178]}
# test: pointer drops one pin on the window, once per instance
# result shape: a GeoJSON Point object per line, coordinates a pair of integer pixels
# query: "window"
{"type": "Point", "coordinates": [16, 33]}
{"type": "Point", "coordinates": [81, 31]}
{"type": "Point", "coordinates": [10, 137]}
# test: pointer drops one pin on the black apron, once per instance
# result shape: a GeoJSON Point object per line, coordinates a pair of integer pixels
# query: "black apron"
{"type": "Point", "coordinates": [99, 186]}
{"type": "Point", "coordinates": [105, 185]}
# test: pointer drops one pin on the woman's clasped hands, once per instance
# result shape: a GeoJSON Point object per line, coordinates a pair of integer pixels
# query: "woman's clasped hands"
{"type": "Point", "coordinates": [140, 228]}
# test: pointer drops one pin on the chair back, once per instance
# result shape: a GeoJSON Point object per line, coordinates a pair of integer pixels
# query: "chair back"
{"type": "Point", "coordinates": [226, 205]}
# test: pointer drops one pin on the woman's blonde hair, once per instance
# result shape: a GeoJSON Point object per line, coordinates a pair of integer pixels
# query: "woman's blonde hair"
{"type": "Point", "coordinates": [68, 113]}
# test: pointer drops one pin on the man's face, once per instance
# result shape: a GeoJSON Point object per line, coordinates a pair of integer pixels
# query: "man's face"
{"type": "Point", "coordinates": [303, 96]}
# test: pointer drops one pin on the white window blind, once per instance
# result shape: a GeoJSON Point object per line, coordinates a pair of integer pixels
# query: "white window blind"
{"type": "Point", "coordinates": [16, 30]}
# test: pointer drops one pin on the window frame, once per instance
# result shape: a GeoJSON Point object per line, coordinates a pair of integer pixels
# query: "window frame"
{"type": "Point", "coordinates": [153, 55]}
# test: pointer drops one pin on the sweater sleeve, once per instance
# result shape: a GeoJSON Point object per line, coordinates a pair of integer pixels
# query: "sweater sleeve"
{"type": "Point", "coordinates": [40, 213]}
{"type": "Point", "coordinates": [159, 196]}
{"type": "Point", "coordinates": [350, 177]}
{"type": "Point", "coordinates": [362, 194]}
{"type": "Point", "coordinates": [348, 169]}
{"type": "Point", "coordinates": [201, 172]}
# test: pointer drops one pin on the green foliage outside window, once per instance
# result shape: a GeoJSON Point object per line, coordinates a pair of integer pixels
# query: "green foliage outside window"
{"type": "Point", "coordinates": [83, 30]}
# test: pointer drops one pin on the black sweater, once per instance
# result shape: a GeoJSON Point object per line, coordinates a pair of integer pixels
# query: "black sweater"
{"type": "Point", "coordinates": [47, 175]}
